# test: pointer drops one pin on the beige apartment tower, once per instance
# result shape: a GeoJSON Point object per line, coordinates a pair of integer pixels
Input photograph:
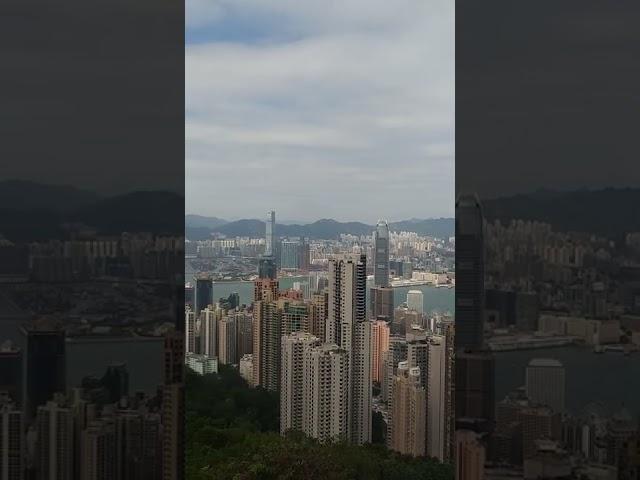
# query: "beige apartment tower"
{"type": "Point", "coordinates": [406, 429]}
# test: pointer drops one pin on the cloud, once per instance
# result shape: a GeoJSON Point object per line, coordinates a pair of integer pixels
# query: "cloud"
{"type": "Point", "coordinates": [320, 109]}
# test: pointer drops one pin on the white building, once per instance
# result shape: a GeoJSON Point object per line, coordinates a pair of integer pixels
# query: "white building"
{"type": "Point", "coordinates": [246, 367]}
{"type": "Point", "coordinates": [202, 364]}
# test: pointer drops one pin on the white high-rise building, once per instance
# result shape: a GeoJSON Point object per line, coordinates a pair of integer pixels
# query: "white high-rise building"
{"type": "Point", "coordinates": [209, 331]}
{"type": "Point", "coordinates": [325, 411]}
{"type": "Point", "coordinates": [436, 390]}
{"type": "Point", "coordinates": [293, 379]}
{"type": "Point", "coordinates": [415, 300]}
{"type": "Point", "coordinates": [54, 444]}
{"type": "Point", "coordinates": [546, 383]}
{"type": "Point", "coordinates": [348, 327]}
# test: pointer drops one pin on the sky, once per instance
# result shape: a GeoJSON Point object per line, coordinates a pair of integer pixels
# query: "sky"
{"type": "Point", "coordinates": [320, 109]}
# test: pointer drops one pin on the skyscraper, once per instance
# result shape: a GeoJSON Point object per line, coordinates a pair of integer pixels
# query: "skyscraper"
{"type": "Point", "coordinates": [267, 333]}
{"type": "Point", "coordinates": [227, 340]}
{"type": "Point", "coordinates": [270, 234]}
{"type": "Point", "coordinates": [407, 421]}
{"type": "Point", "coordinates": [290, 255]}
{"type": "Point", "coordinates": [381, 254]}
{"type": "Point", "coordinates": [12, 447]}
{"type": "Point", "coordinates": [382, 305]}
{"type": "Point", "coordinates": [436, 396]}
{"type": "Point", "coordinates": [204, 293]}
{"type": "Point", "coordinates": [190, 330]}
{"type": "Point", "coordinates": [293, 379]}
{"type": "Point", "coordinates": [208, 331]}
{"type": "Point", "coordinates": [54, 445]}
{"type": "Point", "coordinates": [415, 300]}
{"type": "Point", "coordinates": [380, 345]}
{"type": "Point", "coordinates": [173, 404]}
{"type": "Point", "coordinates": [347, 327]}
{"type": "Point", "coordinates": [469, 273]}
{"type": "Point", "coordinates": [545, 383]}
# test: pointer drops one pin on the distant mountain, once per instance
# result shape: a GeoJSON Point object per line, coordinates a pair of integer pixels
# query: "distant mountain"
{"type": "Point", "coordinates": [31, 211]}
{"type": "Point", "coordinates": [199, 221]}
{"type": "Point", "coordinates": [323, 229]}
{"type": "Point", "coordinates": [609, 212]}
{"type": "Point", "coordinates": [26, 195]}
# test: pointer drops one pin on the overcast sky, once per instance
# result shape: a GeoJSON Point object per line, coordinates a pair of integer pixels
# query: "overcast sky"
{"type": "Point", "coordinates": [340, 109]}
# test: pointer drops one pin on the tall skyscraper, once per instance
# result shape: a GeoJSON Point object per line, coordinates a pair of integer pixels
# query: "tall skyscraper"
{"type": "Point", "coordinates": [469, 273]}
{"type": "Point", "coordinates": [293, 379]}
{"type": "Point", "coordinates": [470, 456]}
{"type": "Point", "coordinates": [436, 398]}
{"type": "Point", "coordinates": [382, 305]}
{"type": "Point", "coordinates": [11, 372]}
{"type": "Point", "coordinates": [381, 254]}
{"type": "Point", "coordinates": [407, 420]}
{"type": "Point", "coordinates": [244, 322]}
{"type": "Point", "coordinates": [347, 327]}
{"type": "Point", "coordinates": [270, 234]}
{"type": "Point", "coordinates": [44, 372]}
{"type": "Point", "coordinates": [380, 345]}
{"type": "Point", "coordinates": [173, 405]}
{"type": "Point", "coordinates": [98, 450]}
{"type": "Point", "coordinates": [325, 411]}
{"type": "Point", "coordinates": [208, 331]}
{"type": "Point", "coordinates": [290, 254]}
{"type": "Point", "coordinates": [474, 386]}
{"type": "Point", "coordinates": [546, 384]}
{"type": "Point", "coordinates": [415, 300]}
{"type": "Point", "coordinates": [204, 293]}
{"type": "Point", "coordinates": [318, 314]}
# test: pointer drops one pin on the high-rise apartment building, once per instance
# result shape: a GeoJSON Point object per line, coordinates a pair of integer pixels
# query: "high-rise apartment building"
{"type": "Point", "coordinates": [347, 327]}
{"type": "Point", "coordinates": [11, 372]}
{"type": "Point", "coordinates": [474, 385]}
{"type": "Point", "coordinates": [98, 450]}
{"type": "Point", "coordinates": [267, 337]}
{"type": "Point", "coordinates": [12, 441]}
{"type": "Point", "coordinates": [208, 331]}
{"type": "Point", "coordinates": [546, 384]}
{"type": "Point", "coordinates": [436, 398]}
{"type": "Point", "coordinates": [265, 289]}
{"type": "Point", "coordinates": [407, 421]}
{"type": "Point", "coordinates": [470, 456]}
{"type": "Point", "coordinates": [380, 344]}
{"type": "Point", "coordinates": [173, 405]}
{"type": "Point", "coordinates": [294, 316]}
{"type": "Point", "coordinates": [325, 411]}
{"type": "Point", "coordinates": [293, 379]}
{"type": "Point", "coordinates": [244, 325]}
{"type": "Point", "coordinates": [318, 314]}
{"type": "Point", "coordinates": [190, 330]}
{"type": "Point", "coordinates": [397, 353]}
{"type": "Point", "coordinates": [227, 341]}
{"type": "Point", "coordinates": [54, 444]}
{"type": "Point", "coordinates": [415, 301]}
{"type": "Point", "coordinates": [381, 254]}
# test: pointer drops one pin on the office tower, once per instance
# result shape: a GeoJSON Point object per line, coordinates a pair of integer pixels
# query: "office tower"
{"type": "Point", "coordinates": [189, 296]}
{"type": "Point", "coordinates": [12, 441]}
{"type": "Point", "coordinates": [436, 398]}
{"type": "Point", "coordinates": [469, 273]}
{"type": "Point", "coordinates": [318, 314]}
{"type": "Point", "coordinates": [208, 331]}
{"type": "Point", "coordinates": [267, 333]}
{"type": "Point", "coordinates": [380, 344]}
{"type": "Point", "coordinates": [227, 341]}
{"type": "Point", "coordinates": [54, 444]}
{"type": "Point", "coordinates": [474, 384]}
{"type": "Point", "coordinates": [173, 405]}
{"type": "Point", "coordinates": [265, 289]}
{"type": "Point", "coordinates": [470, 456]}
{"type": "Point", "coordinates": [381, 254]}
{"type": "Point", "coordinates": [406, 429]}
{"type": "Point", "coordinates": [190, 330]}
{"type": "Point", "coordinates": [44, 372]}
{"type": "Point", "coordinates": [418, 356]}
{"type": "Point", "coordinates": [325, 401]}
{"type": "Point", "coordinates": [98, 450]}
{"type": "Point", "coordinates": [11, 372]}
{"type": "Point", "coordinates": [415, 301]}
{"type": "Point", "coordinates": [404, 320]}
{"type": "Point", "coordinates": [244, 324]}
{"type": "Point", "coordinates": [545, 383]}
{"type": "Point", "coordinates": [204, 293]}
{"type": "Point", "coordinates": [246, 368]}
{"type": "Point", "coordinates": [293, 379]}
{"type": "Point", "coordinates": [347, 327]}
{"type": "Point", "coordinates": [267, 268]}
{"type": "Point", "coordinates": [116, 382]}
{"type": "Point", "coordinates": [270, 234]}
{"type": "Point", "coordinates": [382, 305]}
{"type": "Point", "coordinates": [289, 254]}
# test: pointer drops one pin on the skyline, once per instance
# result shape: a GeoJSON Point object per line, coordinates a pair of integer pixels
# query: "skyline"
{"type": "Point", "coordinates": [285, 103]}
